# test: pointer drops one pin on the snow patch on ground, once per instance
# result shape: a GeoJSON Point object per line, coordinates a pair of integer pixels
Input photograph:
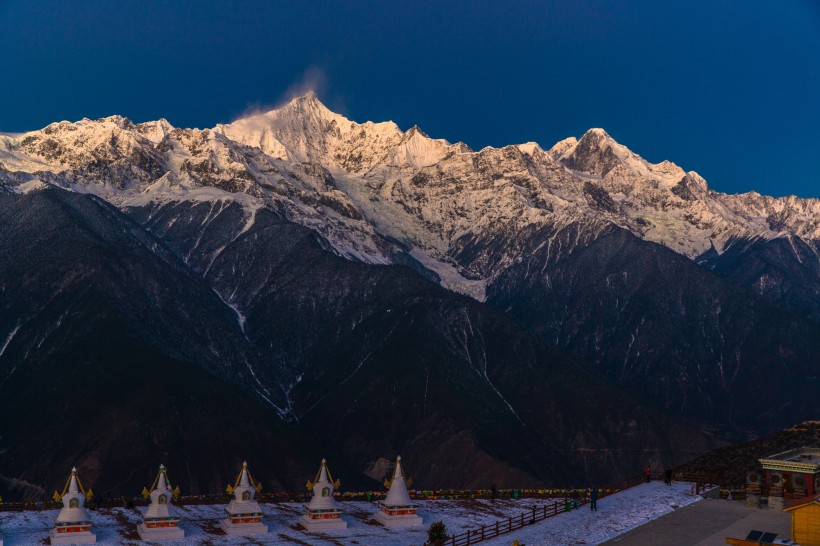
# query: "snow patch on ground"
{"type": "Point", "coordinates": [8, 339]}
{"type": "Point", "coordinates": [451, 278]}
{"type": "Point", "coordinates": [616, 515]}
{"type": "Point", "coordinates": [30, 186]}
{"type": "Point", "coordinates": [164, 192]}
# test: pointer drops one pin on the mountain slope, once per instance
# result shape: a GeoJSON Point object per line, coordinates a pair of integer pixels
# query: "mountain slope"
{"type": "Point", "coordinates": [655, 322]}
{"type": "Point", "coordinates": [369, 361]}
{"type": "Point", "coordinates": [109, 348]}
{"type": "Point", "coordinates": [783, 270]}
{"type": "Point", "coordinates": [367, 338]}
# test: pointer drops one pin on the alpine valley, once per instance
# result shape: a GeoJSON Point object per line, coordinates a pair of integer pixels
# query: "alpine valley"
{"type": "Point", "coordinates": [295, 285]}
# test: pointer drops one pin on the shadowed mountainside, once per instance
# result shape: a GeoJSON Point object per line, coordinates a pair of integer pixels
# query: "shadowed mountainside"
{"type": "Point", "coordinates": [363, 362]}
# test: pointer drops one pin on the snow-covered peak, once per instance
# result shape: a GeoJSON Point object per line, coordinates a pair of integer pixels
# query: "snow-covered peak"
{"type": "Point", "coordinates": [417, 150]}
{"type": "Point", "coordinates": [530, 148]}
{"type": "Point", "coordinates": [669, 172]}
{"type": "Point", "coordinates": [597, 153]}
{"type": "Point", "coordinates": [305, 130]}
{"type": "Point", "coordinates": [306, 103]}
{"type": "Point", "coordinates": [597, 139]}
{"type": "Point", "coordinates": [100, 143]}
{"type": "Point", "coordinates": [376, 192]}
{"type": "Point", "coordinates": [155, 131]}
{"type": "Point", "coordinates": [597, 132]}
{"type": "Point", "coordinates": [697, 180]}
{"type": "Point", "coordinates": [562, 148]}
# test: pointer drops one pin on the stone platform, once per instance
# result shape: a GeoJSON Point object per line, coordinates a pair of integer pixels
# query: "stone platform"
{"type": "Point", "coordinates": [322, 524]}
{"type": "Point", "coordinates": [81, 537]}
{"type": "Point", "coordinates": [159, 533]}
{"type": "Point", "coordinates": [397, 521]}
{"type": "Point", "coordinates": [243, 529]}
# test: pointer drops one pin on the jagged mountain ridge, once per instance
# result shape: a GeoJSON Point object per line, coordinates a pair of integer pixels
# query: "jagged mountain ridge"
{"type": "Point", "coordinates": [377, 192]}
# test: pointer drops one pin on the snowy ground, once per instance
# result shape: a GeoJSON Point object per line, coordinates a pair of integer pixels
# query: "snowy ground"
{"type": "Point", "coordinates": [617, 514]}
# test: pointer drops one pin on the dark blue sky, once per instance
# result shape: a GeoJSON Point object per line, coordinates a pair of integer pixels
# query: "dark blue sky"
{"type": "Point", "coordinates": [729, 89]}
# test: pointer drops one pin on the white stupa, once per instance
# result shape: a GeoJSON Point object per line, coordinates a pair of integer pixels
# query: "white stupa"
{"type": "Point", "coordinates": [397, 509]}
{"type": "Point", "coordinates": [73, 524]}
{"type": "Point", "coordinates": [161, 519]}
{"type": "Point", "coordinates": [244, 513]}
{"type": "Point", "coordinates": [323, 512]}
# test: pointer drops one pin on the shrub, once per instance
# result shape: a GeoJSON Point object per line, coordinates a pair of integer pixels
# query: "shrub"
{"type": "Point", "coordinates": [437, 533]}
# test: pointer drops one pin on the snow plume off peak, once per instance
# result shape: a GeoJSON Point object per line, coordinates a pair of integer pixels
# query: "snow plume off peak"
{"type": "Point", "coordinates": [312, 83]}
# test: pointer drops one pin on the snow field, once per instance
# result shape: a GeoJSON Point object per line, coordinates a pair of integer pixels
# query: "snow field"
{"type": "Point", "coordinates": [616, 514]}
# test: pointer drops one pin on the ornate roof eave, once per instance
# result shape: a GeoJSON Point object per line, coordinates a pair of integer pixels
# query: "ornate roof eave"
{"type": "Point", "coordinates": [790, 466]}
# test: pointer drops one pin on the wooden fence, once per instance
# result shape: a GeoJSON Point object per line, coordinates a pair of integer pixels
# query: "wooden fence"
{"type": "Point", "coordinates": [700, 482]}
{"type": "Point", "coordinates": [536, 514]}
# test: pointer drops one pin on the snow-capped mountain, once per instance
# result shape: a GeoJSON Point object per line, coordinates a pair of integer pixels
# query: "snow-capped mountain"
{"type": "Point", "coordinates": [377, 192]}
{"type": "Point", "coordinates": [310, 252]}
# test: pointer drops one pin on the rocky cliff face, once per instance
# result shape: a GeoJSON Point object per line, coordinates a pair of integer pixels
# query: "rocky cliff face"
{"type": "Point", "coordinates": [279, 228]}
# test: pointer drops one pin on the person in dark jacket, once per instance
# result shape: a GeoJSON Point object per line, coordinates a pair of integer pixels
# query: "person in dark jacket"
{"type": "Point", "coordinates": [593, 499]}
{"type": "Point", "coordinates": [668, 476]}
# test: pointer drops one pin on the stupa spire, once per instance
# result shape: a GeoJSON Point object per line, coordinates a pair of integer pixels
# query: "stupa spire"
{"type": "Point", "coordinates": [161, 519]}
{"type": "Point", "coordinates": [323, 512]}
{"type": "Point", "coordinates": [73, 486]}
{"type": "Point", "coordinates": [244, 513]}
{"type": "Point", "coordinates": [397, 472]}
{"type": "Point", "coordinates": [397, 509]}
{"type": "Point", "coordinates": [73, 524]}
{"type": "Point", "coordinates": [162, 481]}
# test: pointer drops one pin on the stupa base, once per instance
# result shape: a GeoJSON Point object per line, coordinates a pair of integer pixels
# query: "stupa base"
{"type": "Point", "coordinates": [322, 524]}
{"type": "Point", "coordinates": [158, 533]}
{"type": "Point", "coordinates": [80, 537]}
{"type": "Point", "coordinates": [397, 521]}
{"type": "Point", "coordinates": [243, 529]}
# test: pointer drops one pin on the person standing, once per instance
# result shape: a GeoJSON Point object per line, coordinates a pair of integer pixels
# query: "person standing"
{"type": "Point", "coordinates": [647, 471]}
{"type": "Point", "coordinates": [593, 500]}
{"type": "Point", "coordinates": [668, 476]}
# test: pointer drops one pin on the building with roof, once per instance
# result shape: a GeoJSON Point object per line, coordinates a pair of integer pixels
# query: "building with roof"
{"type": "Point", "coordinates": [786, 476]}
{"type": "Point", "coordinates": [805, 520]}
